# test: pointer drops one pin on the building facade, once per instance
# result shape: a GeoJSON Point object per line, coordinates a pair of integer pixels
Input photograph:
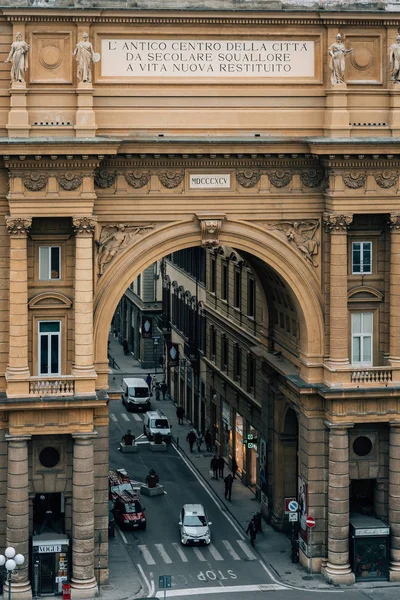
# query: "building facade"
{"type": "Point", "coordinates": [130, 135]}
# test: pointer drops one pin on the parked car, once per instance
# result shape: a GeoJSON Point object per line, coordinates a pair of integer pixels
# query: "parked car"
{"type": "Point", "coordinates": [194, 526]}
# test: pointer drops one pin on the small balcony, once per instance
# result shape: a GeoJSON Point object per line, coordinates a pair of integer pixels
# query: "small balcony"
{"type": "Point", "coordinates": [58, 385]}
{"type": "Point", "coordinates": [357, 377]}
{"type": "Point", "coordinates": [52, 386]}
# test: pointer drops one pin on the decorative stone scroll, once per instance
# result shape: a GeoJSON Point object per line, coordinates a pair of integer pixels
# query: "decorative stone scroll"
{"type": "Point", "coordinates": [18, 225]}
{"type": "Point", "coordinates": [210, 225]}
{"type": "Point", "coordinates": [35, 181]}
{"type": "Point", "coordinates": [171, 179]}
{"type": "Point", "coordinates": [280, 178]}
{"type": "Point", "coordinates": [69, 181]}
{"type": "Point", "coordinates": [114, 238]}
{"type": "Point", "coordinates": [337, 222]}
{"type": "Point", "coordinates": [394, 223]}
{"type": "Point", "coordinates": [84, 225]}
{"type": "Point", "coordinates": [303, 235]}
{"type": "Point", "coordinates": [104, 179]}
{"type": "Point", "coordinates": [386, 179]}
{"type": "Point", "coordinates": [248, 179]}
{"type": "Point", "coordinates": [137, 179]}
{"type": "Point", "coordinates": [312, 177]}
{"type": "Point", "coordinates": [354, 180]}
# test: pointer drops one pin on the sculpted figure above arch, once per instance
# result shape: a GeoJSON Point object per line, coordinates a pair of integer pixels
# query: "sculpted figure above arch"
{"type": "Point", "coordinates": [113, 239]}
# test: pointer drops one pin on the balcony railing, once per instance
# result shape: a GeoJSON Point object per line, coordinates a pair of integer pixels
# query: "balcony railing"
{"type": "Point", "coordinates": [52, 386]}
{"type": "Point", "coordinates": [373, 375]}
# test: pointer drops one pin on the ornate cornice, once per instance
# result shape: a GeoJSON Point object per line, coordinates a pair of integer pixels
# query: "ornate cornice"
{"type": "Point", "coordinates": [19, 226]}
{"type": "Point", "coordinates": [137, 179]}
{"type": "Point", "coordinates": [84, 225]}
{"type": "Point", "coordinates": [69, 181]}
{"type": "Point", "coordinates": [337, 222]}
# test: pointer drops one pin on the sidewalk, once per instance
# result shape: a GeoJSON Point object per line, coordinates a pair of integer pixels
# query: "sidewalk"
{"type": "Point", "coordinates": [273, 547]}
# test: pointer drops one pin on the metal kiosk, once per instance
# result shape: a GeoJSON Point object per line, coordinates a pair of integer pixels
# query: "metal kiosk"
{"type": "Point", "coordinates": [369, 548]}
{"type": "Point", "coordinates": [50, 563]}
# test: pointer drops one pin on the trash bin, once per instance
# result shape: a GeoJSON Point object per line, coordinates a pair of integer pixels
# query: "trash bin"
{"type": "Point", "coordinates": [66, 591]}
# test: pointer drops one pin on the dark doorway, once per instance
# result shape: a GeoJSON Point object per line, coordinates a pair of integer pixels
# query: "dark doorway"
{"type": "Point", "coordinates": [362, 496]}
{"type": "Point", "coordinates": [48, 514]}
{"type": "Point", "coordinates": [47, 573]}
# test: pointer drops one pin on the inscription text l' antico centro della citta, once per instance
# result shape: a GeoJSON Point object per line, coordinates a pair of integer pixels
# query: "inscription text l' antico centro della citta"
{"type": "Point", "coordinates": [207, 58]}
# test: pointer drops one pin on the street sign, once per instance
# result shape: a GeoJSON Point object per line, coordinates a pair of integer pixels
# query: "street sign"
{"type": "Point", "coordinates": [310, 522]}
{"type": "Point", "coordinates": [293, 506]}
{"type": "Point", "coordinates": [293, 517]}
{"type": "Point", "coordinates": [287, 502]}
{"type": "Point", "coordinates": [164, 581]}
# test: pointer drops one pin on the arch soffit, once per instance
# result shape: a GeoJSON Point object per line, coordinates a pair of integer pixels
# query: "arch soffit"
{"type": "Point", "coordinates": [238, 234]}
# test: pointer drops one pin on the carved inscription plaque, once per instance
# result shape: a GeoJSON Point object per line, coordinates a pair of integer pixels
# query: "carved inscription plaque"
{"type": "Point", "coordinates": [207, 58]}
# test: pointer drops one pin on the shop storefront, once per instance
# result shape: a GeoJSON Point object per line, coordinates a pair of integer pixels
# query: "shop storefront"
{"type": "Point", "coordinates": [369, 548]}
{"type": "Point", "coordinates": [226, 430]}
{"type": "Point", "coordinates": [239, 446]}
{"type": "Point", "coordinates": [252, 453]}
{"type": "Point", "coordinates": [50, 563]}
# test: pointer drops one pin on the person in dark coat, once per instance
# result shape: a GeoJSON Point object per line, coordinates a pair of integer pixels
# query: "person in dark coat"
{"type": "Point", "coordinates": [214, 466]}
{"type": "Point", "coordinates": [228, 486]}
{"type": "Point", "coordinates": [207, 439]}
{"type": "Point", "coordinates": [164, 388]}
{"type": "Point", "coordinates": [191, 438]}
{"type": "Point", "coordinates": [234, 468]}
{"type": "Point", "coordinates": [128, 438]}
{"type": "Point", "coordinates": [125, 347]}
{"type": "Point", "coordinates": [251, 529]}
{"type": "Point", "coordinates": [221, 466]}
{"type": "Point", "coordinates": [180, 413]}
{"type": "Point", "coordinates": [148, 380]}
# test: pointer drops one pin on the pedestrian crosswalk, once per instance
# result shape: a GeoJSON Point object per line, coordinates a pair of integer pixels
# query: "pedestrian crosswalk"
{"type": "Point", "coordinates": [153, 554]}
{"type": "Point", "coordinates": [124, 418]}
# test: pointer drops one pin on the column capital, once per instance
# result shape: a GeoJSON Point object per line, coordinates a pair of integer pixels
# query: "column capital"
{"type": "Point", "coordinates": [394, 423]}
{"type": "Point", "coordinates": [84, 438]}
{"type": "Point", "coordinates": [84, 225]}
{"type": "Point", "coordinates": [337, 223]}
{"type": "Point", "coordinates": [394, 223]}
{"type": "Point", "coordinates": [17, 438]}
{"type": "Point", "coordinates": [337, 427]}
{"type": "Point", "coordinates": [18, 226]}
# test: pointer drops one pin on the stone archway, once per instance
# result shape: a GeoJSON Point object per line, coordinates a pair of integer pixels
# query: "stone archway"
{"type": "Point", "coordinates": [245, 236]}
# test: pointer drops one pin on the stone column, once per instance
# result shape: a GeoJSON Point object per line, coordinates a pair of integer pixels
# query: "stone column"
{"type": "Point", "coordinates": [338, 568]}
{"type": "Point", "coordinates": [83, 578]}
{"type": "Point", "coordinates": [337, 226]}
{"type": "Point", "coordinates": [83, 357]}
{"type": "Point", "coordinates": [18, 511]}
{"type": "Point", "coordinates": [394, 351]}
{"type": "Point", "coordinates": [394, 500]}
{"type": "Point", "coordinates": [18, 367]}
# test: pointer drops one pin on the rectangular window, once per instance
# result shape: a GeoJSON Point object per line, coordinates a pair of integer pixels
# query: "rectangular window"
{"type": "Point", "coordinates": [251, 373]}
{"type": "Point", "coordinates": [251, 297]}
{"type": "Point", "coordinates": [49, 262]}
{"type": "Point", "coordinates": [224, 353]}
{"type": "Point", "coordinates": [213, 343]}
{"type": "Point", "coordinates": [361, 257]}
{"type": "Point", "coordinates": [213, 276]}
{"type": "Point", "coordinates": [361, 338]}
{"type": "Point", "coordinates": [49, 348]}
{"type": "Point", "coordinates": [237, 363]}
{"type": "Point", "coordinates": [237, 289]}
{"type": "Point", "coordinates": [224, 282]}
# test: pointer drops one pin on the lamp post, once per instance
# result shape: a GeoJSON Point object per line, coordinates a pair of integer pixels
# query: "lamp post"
{"type": "Point", "coordinates": [11, 561]}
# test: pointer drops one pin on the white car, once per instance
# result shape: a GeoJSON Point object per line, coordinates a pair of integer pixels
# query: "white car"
{"type": "Point", "coordinates": [194, 526]}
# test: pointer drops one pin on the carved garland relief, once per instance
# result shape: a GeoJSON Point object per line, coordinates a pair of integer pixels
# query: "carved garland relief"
{"type": "Point", "coordinates": [35, 181]}
{"type": "Point", "coordinates": [69, 181]}
{"type": "Point", "coordinates": [171, 179]}
{"type": "Point", "coordinates": [354, 180]}
{"type": "Point", "coordinates": [137, 179]}
{"type": "Point", "coordinates": [104, 179]}
{"type": "Point", "coordinates": [248, 179]}
{"type": "Point", "coordinates": [386, 179]}
{"type": "Point", "coordinates": [280, 178]}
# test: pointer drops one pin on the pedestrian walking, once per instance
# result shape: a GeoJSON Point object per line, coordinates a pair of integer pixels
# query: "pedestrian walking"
{"type": "Point", "coordinates": [214, 466]}
{"type": "Point", "coordinates": [164, 388]}
{"type": "Point", "coordinates": [191, 438]}
{"type": "Point", "coordinates": [199, 440]}
{"type": "Point", "coordinates": [234, 468]}
{"type": "Point", "coordinates": [158, 391]}
{"type": "Point", "coordinates": [125, 346]}
{"type": "Point", "coordinates": [221, 466]}
{"type": "Point", "coordinates": [180, 413]}
{"type": "Point", "coordinates": [148, 380]}
{"type": "Point", "coordinates": [207, 439]}
{"type": "Point", "coordinates": [153, 382]}
{"type": "Point", "coordinates": [257, 522]}
{"type": "Point", "coordinates": [251, 529]}
{"type": "Point", "coordinates": [228, 486]}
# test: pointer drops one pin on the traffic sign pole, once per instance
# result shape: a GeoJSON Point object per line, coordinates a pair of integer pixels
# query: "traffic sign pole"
{"type": "Point", "coordinates": [310, 523]}
{"type": "Point", "coordinates": [310, 530]}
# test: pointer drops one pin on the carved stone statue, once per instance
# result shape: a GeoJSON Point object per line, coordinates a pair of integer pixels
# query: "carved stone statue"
{"type": "Point", "coordinates": [19, 58]}
{"type": "Point", "coordinates": [337, 54]}
{"type": "Point", "coordinates": [302, 234]}
{"type": "Point", "coordinates": [113, 239]}
{"type": "Point", "coordinates": [85, 55]}
{"type": "Point", "coordinates": [394, 58]}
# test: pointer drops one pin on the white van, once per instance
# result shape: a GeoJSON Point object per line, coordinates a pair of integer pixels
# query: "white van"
{"type": "Point", "coordinates": [154, 422]}
{"type": "Point", "coordinates": [135, 394]}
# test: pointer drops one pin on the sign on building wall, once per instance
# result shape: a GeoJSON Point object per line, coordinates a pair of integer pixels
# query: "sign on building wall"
{"type": "Point", "coordinates": [147, 327]}
{"type": "Point", "coordinates": [209, 181]}
{"type": "Point", "coordinates": [219, 58]}
{"type": "Point", "coordinates": [172, 354]}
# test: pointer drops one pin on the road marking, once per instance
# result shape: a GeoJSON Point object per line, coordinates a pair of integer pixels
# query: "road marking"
{"type": "Point", "coordinates": [147, 582]}
{"type": "Point", "coordinates": [140, 436]}
{"type": "Point", "coordinates": [146, 555]}
{"type": "Point", "coordinates": [136, 417]}
{"type": "Point", "coordinates": [160, 549]}
{"type": "Point", "coordinates": [222, 590]}
{"type": "Point", "coordinates": [199, 555]}
{"type": "Point", "coordinates": [113, 417]}
{"type": "Point", "coordinates": [231, 550]}
{"type": "Point", "coordinates": [180, 552]}
{"type": "Point", "coordinates": [246, 550]}
{"type": "Point", "coordinates": [125, 416]}
{"type": "Point", "coordinates": [121, 534]}
{"type": "Point", "coordinates": [214, 552]}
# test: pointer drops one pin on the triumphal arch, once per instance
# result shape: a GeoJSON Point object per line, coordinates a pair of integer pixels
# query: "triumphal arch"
{"type": "Point", "coordinates": [130, 130]}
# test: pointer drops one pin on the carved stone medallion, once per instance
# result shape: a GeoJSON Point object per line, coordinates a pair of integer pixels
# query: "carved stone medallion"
{"type": "Point", "coordinates": [137, 179]}
{"type": "Point", "coordinates": [104, 179]}
{"type": "Point", "coordinates": [280, 178]}
{"type": "Point", "coordinates": [171, 179]}
{"type": "Point", "coordinates": [337, 222]}
{"type": "Point", "coordinates": [69, 181]}
{"type": "Point", "coordinates": [18, 225]}
{"type": "Point", "coordinates": [248, 179]}
{"type": "Point", "coordinates": [312, 177]}
{"type": "Point", "coordinates": [386, 179]}
{"type": "Point", "coordinates": [35, 181]}
{"type": "Point", "coordinates": [354, 180]}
